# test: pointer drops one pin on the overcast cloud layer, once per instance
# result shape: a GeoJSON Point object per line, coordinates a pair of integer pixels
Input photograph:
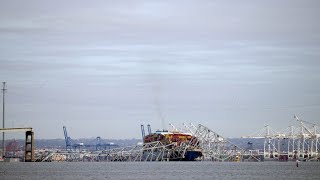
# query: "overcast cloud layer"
{"type": "Point", "coordinates": [104, 67]}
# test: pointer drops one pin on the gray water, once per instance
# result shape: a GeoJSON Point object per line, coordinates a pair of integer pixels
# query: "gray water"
{"type": "Point", "coordinates": [160, 170]}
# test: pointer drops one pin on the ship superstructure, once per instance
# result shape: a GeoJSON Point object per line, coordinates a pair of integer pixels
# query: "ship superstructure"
{"type": "Point", "coordinates": [179, 143]}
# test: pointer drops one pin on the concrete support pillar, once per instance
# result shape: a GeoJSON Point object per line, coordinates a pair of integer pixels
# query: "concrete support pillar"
{"type": "Point", "coordinates": [29, 151]}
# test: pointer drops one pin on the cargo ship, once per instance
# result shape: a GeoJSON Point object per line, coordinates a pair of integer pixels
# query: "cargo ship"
{"type": "Point", "coordinates": [178, 142]}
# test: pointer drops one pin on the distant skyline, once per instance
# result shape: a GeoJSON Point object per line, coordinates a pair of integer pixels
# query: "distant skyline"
{"type": "Point", "coordinates": [102, 68]}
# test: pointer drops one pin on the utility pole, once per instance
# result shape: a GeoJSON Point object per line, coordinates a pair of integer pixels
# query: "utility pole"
{"type": "Point", "coordinates": [3, 109]}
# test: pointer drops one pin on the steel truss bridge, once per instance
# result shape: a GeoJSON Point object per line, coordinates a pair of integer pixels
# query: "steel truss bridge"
{"type": "Point", "coordinates": [213, 147]}
{"type": "Point", "coordinates": [300, 142]}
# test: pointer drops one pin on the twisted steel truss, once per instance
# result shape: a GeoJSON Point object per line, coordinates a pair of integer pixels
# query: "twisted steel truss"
{"type": "Point", "coordinates": [211, 145]}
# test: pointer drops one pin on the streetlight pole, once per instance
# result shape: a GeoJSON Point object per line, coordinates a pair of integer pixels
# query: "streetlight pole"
{"type": "Point", "coordinates": [3, 112]}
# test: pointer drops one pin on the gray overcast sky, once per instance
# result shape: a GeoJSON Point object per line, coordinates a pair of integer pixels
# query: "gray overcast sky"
{"type": "Point", "coordinates": [104, 67]}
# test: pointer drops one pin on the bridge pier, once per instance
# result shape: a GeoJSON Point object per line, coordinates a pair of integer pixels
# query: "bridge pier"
{"type": "Point", "coordinates": [29, 148]}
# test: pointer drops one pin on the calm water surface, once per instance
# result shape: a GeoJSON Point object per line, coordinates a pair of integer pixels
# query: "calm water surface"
{"type": "Point", "coordinates": [160, 170]}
